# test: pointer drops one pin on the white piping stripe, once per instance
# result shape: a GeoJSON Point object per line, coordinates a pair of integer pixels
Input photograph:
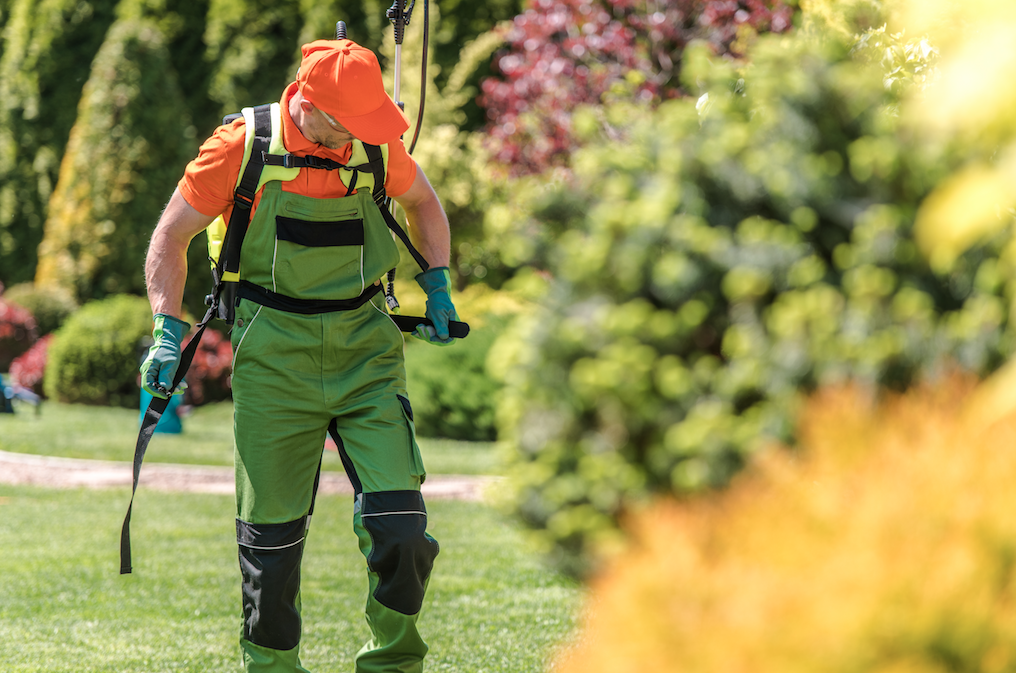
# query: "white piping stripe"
{"type": "Point", "coordinates": [390, 513]}
{"type": "Point", "coordinates": [275, 255]}
{"type": "Point", "coordinates": [363, 283]}
{"type": "Point", "coordinates": [285, 546]}
{"type": "Point", "coordinates": [387, 315]}
{"type": "Point", "coordinates": [246, 332]}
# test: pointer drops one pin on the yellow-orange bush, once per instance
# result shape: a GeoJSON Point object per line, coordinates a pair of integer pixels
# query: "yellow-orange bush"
{"type": "Point", "coordinates": [888, 544]}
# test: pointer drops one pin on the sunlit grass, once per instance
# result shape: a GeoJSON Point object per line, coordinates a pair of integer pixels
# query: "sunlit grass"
{"type": "Point", "coordinates": [492, 606]}
{"type": "Point", "coordinates": [106, 433]}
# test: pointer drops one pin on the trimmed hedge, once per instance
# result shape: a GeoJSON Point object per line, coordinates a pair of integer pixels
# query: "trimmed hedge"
{"type": "Point", "coordinates": [452, 394]}
{"type": "Point", "coordinates": [94, 357]}
{"type": "Point", "coordinates": [49, 305]}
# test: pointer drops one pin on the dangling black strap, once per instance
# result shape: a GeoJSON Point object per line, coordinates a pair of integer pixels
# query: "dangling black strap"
{"type": "Point", "coordinates": [152, 417]}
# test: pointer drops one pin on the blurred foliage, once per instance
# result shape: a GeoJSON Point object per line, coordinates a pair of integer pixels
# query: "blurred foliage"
{"type": "Point", "coordinates": [887, 545]}
{"type": "Point", "coordinates": [50, 305]}
{"type": "Point", "coordinates": [47, 50]}
{"type": "Point", "coordinates": [252, 45]}
{"type": "Point", "coordinates": [713, 260]}
{"type": "Point", "coordinates": [94, 357]}
{"type": "Point", "coordinates": [183, 26]}
{"type": "Point", "coordinates": [451, 393]}
{"type": "Point", "coordinates": [968, 107]}
{"type": "Point", "coordinates": [455, 161]}
{"type": "Point", "coordinates": [29, 368]}
{"type": "Point", "coordinates": [17, 331]}
{"type": "Point", "coordinates": [208, 378]}
{"type": "Point", "coordinates": [130, 144]}
{"type": "Point", "coordinates": [565, 53]}
{"type": "Point", "coordinates": [460, 22]}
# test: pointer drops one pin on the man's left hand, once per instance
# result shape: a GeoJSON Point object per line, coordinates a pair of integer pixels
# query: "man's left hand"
{"type": "Point", "coordinates": [436, 282]}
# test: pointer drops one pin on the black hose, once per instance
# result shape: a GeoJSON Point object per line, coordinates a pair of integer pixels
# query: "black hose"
{"type": "Point", "coordinates": [423, 74]}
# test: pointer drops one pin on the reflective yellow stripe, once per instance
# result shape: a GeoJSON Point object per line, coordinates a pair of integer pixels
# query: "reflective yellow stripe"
{"type": "Point", "coordinates": [231, 277]}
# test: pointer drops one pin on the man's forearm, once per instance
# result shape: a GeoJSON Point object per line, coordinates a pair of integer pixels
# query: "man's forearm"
{"type": "Point", "coordinates": [166, 263]}
{"type": "Point", "coordinates": [428, 224]}
{"type": "Point", "coordinates": [166, 274]}
{"type": "Point", "coordinates": [428, 230]}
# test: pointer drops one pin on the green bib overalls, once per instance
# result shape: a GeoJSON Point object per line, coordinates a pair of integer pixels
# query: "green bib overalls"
{"type": "Point", "coordinates": [297, 376]}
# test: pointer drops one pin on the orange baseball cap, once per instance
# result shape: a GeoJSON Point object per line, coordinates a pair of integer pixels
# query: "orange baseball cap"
{"type": "Point", "coordinates": [344, 79]}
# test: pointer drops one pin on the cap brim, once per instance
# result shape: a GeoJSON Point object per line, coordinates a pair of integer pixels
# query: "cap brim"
{"type": "Point", "coordinates": [378, 127]}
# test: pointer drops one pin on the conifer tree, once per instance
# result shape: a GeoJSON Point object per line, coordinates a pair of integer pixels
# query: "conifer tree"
{"type": "Point", "coordinates": [253, 46]}
{"type": "Point", "coordinates": [126, 152]}
{"type": "Point", "coordinates": [183, 26]}
{"type": "Point", "coordinates": [47, 48]}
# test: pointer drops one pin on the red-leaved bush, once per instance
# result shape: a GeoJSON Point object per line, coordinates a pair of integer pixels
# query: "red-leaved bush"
{"type": "Point", "coordinates": [17, 332]}
{"type": "Point", "coordinates": [208, 376]}
{"type": "Point", "coordinates": [564, 53]}
{"type": "Point", "coordinates": [28, 368]}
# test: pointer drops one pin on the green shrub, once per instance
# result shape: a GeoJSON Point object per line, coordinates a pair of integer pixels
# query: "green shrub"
{"type": "Point", "coordinates": [453, 396]}
{"type": "Point", "coordinates": [94, 357]}
{"type": "Point", "coordinates": [714, 260]}
{"type": "Point", "coordinates": [50, 305]}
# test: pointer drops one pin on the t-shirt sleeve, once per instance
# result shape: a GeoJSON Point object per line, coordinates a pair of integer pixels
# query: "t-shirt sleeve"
{"type": "Point", "coordinates": [401, 170]}
{"type": "Point", "coordinates": [209, 180]}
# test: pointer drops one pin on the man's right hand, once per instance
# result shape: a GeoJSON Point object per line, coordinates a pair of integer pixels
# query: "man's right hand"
{"type": "Point", "coordinates": [160, 366]}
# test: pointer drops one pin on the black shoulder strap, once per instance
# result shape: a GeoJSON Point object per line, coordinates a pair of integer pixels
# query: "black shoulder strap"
{"type": "Point", "coordinates": [376, 165]}
{"type": "Point", "coordinates": [243, 197]}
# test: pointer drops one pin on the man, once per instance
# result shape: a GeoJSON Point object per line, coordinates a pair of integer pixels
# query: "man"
{"type": "Point", "coordinates": [298, 373]}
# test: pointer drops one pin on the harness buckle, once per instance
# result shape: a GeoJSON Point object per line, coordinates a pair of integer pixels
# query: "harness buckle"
{"type": "Point", "coordinates": [243, 198]}
{"type": "Point", "coordinates": [288, 161]}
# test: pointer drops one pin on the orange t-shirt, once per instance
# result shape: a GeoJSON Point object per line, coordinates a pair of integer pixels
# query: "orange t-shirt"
{"type": "Point", "coordinates": [210, 179]}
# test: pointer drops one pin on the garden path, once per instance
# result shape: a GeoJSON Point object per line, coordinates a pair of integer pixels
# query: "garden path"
{"type": "Point", "coordinates": [55, 472]}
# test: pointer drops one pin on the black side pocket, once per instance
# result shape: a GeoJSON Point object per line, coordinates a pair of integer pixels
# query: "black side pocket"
{"type": "Point", "coordinates": [416, 459]}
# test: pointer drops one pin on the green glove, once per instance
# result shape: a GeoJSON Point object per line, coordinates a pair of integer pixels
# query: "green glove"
{"type": "Point", "coordinates": [159, 367]}
{"type": "Point", "coordinates": [436, 282]}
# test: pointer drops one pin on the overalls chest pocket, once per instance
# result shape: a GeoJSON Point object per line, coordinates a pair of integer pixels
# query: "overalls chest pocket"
{"type": "Point", "coordinates": [319, 255]}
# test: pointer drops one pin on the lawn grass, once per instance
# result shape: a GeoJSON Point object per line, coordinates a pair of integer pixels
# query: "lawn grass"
{"type": "Point", "coordinates": [107, 433]}
{"type": "Point", "coordinates": [492, 606]}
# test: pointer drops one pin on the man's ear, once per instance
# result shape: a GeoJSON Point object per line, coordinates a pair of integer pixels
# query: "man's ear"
{"type": "Point", "coordinates": [306, 106]}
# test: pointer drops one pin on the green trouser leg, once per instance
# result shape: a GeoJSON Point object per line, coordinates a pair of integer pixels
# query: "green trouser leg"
{"type": "Point", "coordinates": [294, 377]}
{"type": "Point", "coordinates": [398, 577]}
{"type": "Point", "coordinates": [257, 659]}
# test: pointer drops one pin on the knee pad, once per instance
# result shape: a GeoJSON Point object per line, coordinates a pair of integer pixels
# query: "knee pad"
{"type": "Point", "coordinates": [270, 556]}
{"type": "Point", "coordinates": [402, 553]}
